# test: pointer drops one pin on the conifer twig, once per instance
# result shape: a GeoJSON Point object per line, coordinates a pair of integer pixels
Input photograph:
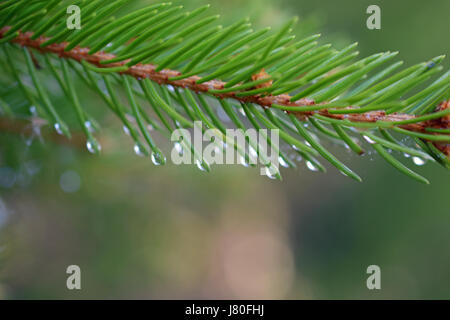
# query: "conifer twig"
{"type": "Point", "coordinates": [142, 71]}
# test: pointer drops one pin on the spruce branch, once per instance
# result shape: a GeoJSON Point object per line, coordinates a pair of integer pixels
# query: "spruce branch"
{"type": "Point", "coordinates": [435, 122]}
{"type": "Point", "coordinates": [291, 82]}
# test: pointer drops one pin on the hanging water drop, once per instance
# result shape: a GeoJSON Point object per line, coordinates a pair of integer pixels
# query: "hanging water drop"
{"type": "Point", "coordinates": [58, 128]}
{"type": "Point", "coordinates": [252, 152]}
{"type": "Point", "coordinates": [93, 146]}
{"type": "Point", "coordinates": [201, 165]}
{"type": "Point", "coordinates": [368, 139]}
{"type": "Point", "coordinates": [311, 166]}
{"type": "Point", "coordinates": [126, 130]}
{"type": "Point", "coordinates": [271, 171]}
{"type": "Point", "coordinates": [158, 158]}
{"type": "Point", "coordinates": [89, 126]}
{"type": "Point", "coordinates": [406, 155]}
{"type": "Point", "coordinates": [90, 147]}
{"type": "Point", "coordinates": [418, 161]}
{"type": "Point", "coordinates": [283, 162]}
{"type": "Point", "coordinates": [138, 150]}
{"type": "Point", "coordinates": [179, 148]}
{"type": "Point", "coordinates": [243, 162]}
{"type": "Point", "coordinates": [33, 111]}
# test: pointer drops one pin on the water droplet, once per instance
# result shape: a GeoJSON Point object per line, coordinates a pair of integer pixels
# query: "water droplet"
{"type": "Point", "coordinates": [170, 88]}
{"type": "Point", "coordinates": [33, 111]}
{"type": "Point", "coordinates": [241, 111]}
{"type": "Point", "coordinates": [179, 148]}
{"type": "Point", "coordinates": [89, 126]}
{"type": "Point", "coordinates": [368, 139]}
{"type": "Point", "coordinates": [407, 155]}
{"type": "Point", "coordinates": [90, 147]}
{"type": "Point", "coordinates": [138, 150]}
{"type": "Point", "coordinates": [271, 171]}
{"type": "Point", "coordinates": [252, 152]}
{"type": "Point", "coordinates": [58, 128]}
{"type": "Point", "coordinates": [283, 162]}
{"type": "Point", "coordinates": [311, 166]}
{"type": "Point", "coordinates": [201, 165]}
{"type": "Point", "coordinates": [243, 162]}
{"type": "Point", "coordinates": [418, 161]}
{"type": "Point", "coordinates": [150, 127]}
{"type": "Point", "coordinates": [158, 159]}
{"type": "Point", "coordinates": [93, 146]}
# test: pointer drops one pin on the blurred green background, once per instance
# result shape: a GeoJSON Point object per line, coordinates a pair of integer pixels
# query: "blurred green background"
{"type": "Point", "coordinates": [140, 231]}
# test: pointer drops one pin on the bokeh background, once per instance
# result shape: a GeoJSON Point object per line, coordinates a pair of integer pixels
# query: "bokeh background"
{"type": "Point", "coordinates": [143, 232]}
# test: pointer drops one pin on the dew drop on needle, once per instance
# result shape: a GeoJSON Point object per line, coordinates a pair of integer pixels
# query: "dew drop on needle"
{"type": "Point", "coordinates": [138, 150]}
{"type": "Point", "coordinates": [158, 159]}
{"type": "Point", "coordinates": [418, 161]}
{"type": "Point", "coordinates": [311, 166]}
